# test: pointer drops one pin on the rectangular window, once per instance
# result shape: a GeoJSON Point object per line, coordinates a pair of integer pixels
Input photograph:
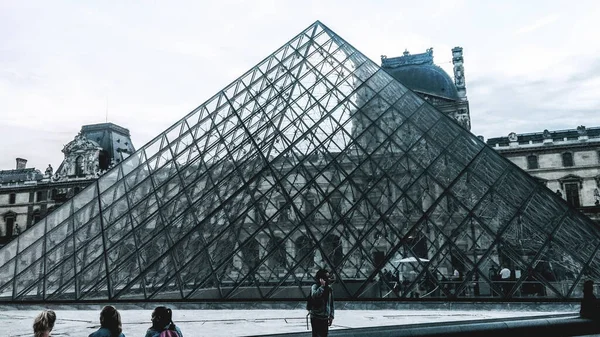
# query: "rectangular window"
{"type": "Point", "coordinates": [39, 196]}
{"type": "Point", "coordinates": [572, 191]}
{"type": "Point", "coordinates": [284, 209]}
{"type": "Point", "coordinates": [567, 159]}
{"type": "Point", "coordinates": [10, 226]}
{"type": "Point", "coordinates": [310, 206]}
{"type": "Point", "coordinates": [532, 162]}
{"type": "Point", "coordinates": [12, 198]}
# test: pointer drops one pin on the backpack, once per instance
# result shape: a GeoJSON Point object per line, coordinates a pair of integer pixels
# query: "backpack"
{"type": "Point", "coordinates": [169, 333]}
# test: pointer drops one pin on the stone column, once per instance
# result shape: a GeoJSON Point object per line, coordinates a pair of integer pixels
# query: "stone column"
{"type": "Point", "coordinates": [459, 72]}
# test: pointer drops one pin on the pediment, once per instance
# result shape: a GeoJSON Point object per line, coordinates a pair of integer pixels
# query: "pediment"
{"type": "Point", "coordinates": [80, 144]}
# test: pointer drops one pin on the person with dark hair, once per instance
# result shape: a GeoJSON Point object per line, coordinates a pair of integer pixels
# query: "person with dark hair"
{"type": "Point", "coordinates": [110, 323]}
{"type": "Point", "coordinates": [322, 307]}
{"type": "Point", "coordinates": [162, 324]}
{"type": "Point", "coordinates": [590, 308]}
{"type": "Point", "coordinates": [44, 323]}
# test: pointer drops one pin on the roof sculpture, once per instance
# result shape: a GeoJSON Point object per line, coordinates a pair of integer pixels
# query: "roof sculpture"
{"type": "Point", "coordinates": [315, 157]}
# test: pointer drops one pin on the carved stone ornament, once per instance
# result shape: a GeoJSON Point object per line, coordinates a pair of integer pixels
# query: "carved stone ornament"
{"type": "Point", "coordinates": [571, 178]}
{"type": "Point", "coordinates": [81, 159]}
{"type": "Point", "coordinates": [547, 134]}
{"type": "Point", "coordinates": [581, 130]}
{"type": "Point", "coordinates": [49, 171]}
{"type": "Point", "coordinates": [80, 143]}
{"type": "Point", "coordinates": [512, 137]}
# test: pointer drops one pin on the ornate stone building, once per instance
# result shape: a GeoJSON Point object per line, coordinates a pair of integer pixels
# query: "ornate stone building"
{"type": "Point", "coordinates": [432, 83]}
{"type": "Point", "coordinates": [565, 161]}
{"type": "Point", "coordinates": [27, 195]}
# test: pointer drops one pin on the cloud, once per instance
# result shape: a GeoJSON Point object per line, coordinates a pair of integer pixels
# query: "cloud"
{"type": "Point", "coordinates": [500, 105]}
{"type": "Point", "coordinates": [546, 20]}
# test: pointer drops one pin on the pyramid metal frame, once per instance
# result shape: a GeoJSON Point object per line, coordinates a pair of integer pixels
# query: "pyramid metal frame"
{"type": "Point", "coordinates": [314, 158]}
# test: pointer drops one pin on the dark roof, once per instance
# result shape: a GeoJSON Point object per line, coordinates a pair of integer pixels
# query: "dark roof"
{"type": "Point", "coordinates": [420, 74]}
{"type": "Point", "coordinates": [112, 138]}
{"type": "Point", "coordinates": [538, 137]}
{"type": "Point", "coordinates": [427, 79]}
{"type": "Point", "coordinates": [20, 175]}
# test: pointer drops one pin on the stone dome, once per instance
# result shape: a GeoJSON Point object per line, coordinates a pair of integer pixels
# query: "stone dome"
{"type": "Point", "coordinates": [426, 78]}
{"type": "Point", "coordinates": [419, 73]}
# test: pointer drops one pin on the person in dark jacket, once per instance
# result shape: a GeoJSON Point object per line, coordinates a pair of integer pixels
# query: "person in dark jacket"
{"type": "Point", "coordinates": [110, 323]}
{"type": "Point", "coordinates": [590, 307]}
{"type": "Point", "coordinates": [322, 311]}
{"type": "Point", "coordinates": [162, 321]}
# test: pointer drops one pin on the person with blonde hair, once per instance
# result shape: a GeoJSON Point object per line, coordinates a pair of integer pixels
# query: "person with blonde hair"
{"type": "Point", "coordinates": [44, 323]}
{"type": "Point", "coordinates": [110, 323]}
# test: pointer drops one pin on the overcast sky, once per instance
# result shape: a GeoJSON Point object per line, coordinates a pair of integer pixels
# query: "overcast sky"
{"type": "Point", "coordinates": [529, 65]}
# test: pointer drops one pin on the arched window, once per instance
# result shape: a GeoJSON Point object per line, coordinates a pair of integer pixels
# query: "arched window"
{"type": "Point", "coordinates": [277, 246]}
{"type": "Point", "coordinates": [305, 254]}
{"type": "Point", "coordinates": [332, 246]}
{"type": "Point", "coordinates": [567, 159]}
{"type": "Point", "coordinates": [284, 209]}
{"type": "Point", "coordinates": [532, 162]}
{"type": "Point", "coordinates": [79, 166]}
{"type": "Point", "coordinates": [250, 254]}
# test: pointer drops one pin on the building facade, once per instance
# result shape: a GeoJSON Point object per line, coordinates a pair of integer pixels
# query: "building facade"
{"type": "Point", "coordinates": [27, 195]}
{"type": "Point", "coordinates": [565, 161]}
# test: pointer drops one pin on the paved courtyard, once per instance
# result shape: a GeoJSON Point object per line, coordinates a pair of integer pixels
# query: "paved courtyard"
{"type": "Point", "coordinates": [216, 323]}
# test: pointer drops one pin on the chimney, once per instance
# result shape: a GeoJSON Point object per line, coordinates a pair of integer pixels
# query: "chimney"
{"type": "Point", "coordinates": [21, 163]}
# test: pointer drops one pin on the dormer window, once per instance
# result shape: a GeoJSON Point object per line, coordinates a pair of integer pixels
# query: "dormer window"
{"type": "Point", "coordinates": [79, 166]}
{"type": "Point", "coordinates": [567, 159]}
{"type": "Point", "coordinates": [532, 162]}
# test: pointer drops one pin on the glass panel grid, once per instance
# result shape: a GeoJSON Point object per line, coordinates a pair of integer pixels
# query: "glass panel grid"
{"type": "Point", "coordinates": [314, 158]}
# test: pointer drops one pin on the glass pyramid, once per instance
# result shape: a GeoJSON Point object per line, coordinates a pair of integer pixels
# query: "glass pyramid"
{"type": "Point", "coordinates": [314, 158]}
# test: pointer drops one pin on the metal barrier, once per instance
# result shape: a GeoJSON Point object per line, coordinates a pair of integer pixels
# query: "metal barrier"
{"type": "Point", "coordinates": [547, 326]}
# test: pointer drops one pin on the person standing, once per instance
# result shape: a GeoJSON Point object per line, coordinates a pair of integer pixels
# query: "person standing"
{"type": "Point", "coordinates": [322, 305]}
{"type": "Point", "coordinates": [110, 323]}
{"type": "Point", "coordinates": [505, 278]}
{"type": "Point", "coordinates": [44, 323]}
{"type": "Point", "coordinates": [590, 308]}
